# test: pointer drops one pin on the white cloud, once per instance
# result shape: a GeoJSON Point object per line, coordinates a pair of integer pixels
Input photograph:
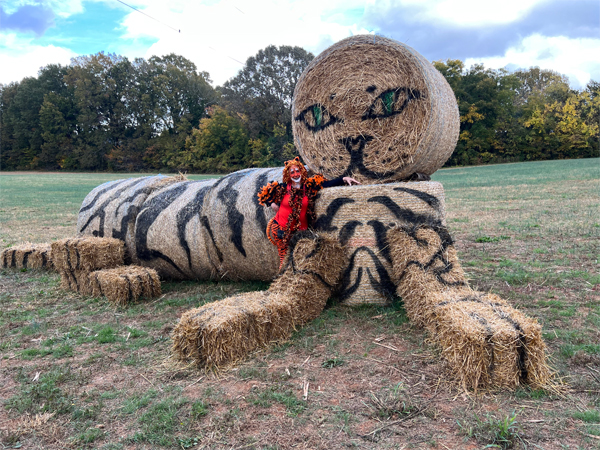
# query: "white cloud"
{"type": "Point", "coordinates": [464, 13]}
{"type": "Point", "coordinates": [21, 58]}
{"type": "Point", "coordinates": [575, 58]}
{"type": "Point", "coordinates": [216, 36]}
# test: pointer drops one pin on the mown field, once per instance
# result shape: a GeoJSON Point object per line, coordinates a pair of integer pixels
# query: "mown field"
{"type": "Point", "coordinates": [77, 373]}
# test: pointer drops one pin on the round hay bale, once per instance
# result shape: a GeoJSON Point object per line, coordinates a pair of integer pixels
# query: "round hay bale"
{"type": "Point", "coordinates": [360, 217]}
{"type": "Point", "coordinates": [169, 233]}
{"type": "Point", "coordinates": [110, 209]}
{"type": "Point", "coordinates": [374, 109]}
{"type": "Point", "coordinates": [236, 224]}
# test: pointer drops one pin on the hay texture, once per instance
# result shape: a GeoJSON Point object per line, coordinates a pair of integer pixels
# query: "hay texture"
{"type": "Point", "coordinates": [485, 341]}
{"type": "Point", "coordinates": [219, 333]}
{"type": "Point", "coordinates": [360, 217]}
{"type": "Point", "coordinates": [374, 109]}
{"type": "Point", "coordinates": [26, 256]}
{"type": "Point", "coordinates": [124, 285]}
{"type": "Point", "coordinates": [75, 258]}
{"type": "Point", "coordinates": [169, 233]}
{"type": "Point", "coordinates": [236, 226]}
{"type": "Point", "coordinates": [111, 209]}
{"type": "Point", "coordinates": [87, 254]}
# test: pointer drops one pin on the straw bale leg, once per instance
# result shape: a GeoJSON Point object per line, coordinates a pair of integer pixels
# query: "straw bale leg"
{"type": "Point", "coordinates": [219, 333]}
{"type": "Point", "coordinates": [485, 341]}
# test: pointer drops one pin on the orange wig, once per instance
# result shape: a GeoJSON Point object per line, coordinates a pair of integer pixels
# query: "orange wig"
{"type": "Point", "coordinates": [288, 166]}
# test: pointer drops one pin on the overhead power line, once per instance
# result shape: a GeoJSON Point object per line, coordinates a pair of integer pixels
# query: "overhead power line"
{"type": "Point", "coordinates": [147, 15]}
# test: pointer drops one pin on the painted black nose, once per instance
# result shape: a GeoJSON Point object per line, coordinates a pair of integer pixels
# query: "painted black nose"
{"type": "Point", "coordinates": [356, 144]}
{"type": "Point", "coordinates": [356, 147]}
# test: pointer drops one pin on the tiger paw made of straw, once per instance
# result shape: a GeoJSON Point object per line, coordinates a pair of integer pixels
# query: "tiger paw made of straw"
{"type": "Point", "coordinates": [219, 333]}
{"type": "Point", "coordinates": [486, 342]}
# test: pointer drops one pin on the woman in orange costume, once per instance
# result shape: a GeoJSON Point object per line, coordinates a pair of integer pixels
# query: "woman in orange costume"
{"type": "Point", "coordinates": [294, 202]}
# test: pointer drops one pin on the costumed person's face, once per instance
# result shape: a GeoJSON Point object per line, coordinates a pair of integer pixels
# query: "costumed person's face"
{"type": "Point", "coordinates": [295, 174]}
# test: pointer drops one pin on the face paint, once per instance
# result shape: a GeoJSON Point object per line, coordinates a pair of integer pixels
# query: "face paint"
{"type": "Point", "coordinates": [295, 174]}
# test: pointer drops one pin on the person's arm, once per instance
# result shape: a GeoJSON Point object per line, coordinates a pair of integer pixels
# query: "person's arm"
{"type": "Point", "coordinates": [271, 194]}
{"type": "Point", "coordinates": [340, 181]}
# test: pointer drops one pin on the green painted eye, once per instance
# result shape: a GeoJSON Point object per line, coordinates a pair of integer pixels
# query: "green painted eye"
{"type": "Point", "coordinates": [388, 102]}
{"type": "Point", "coordinates": [318, 115]}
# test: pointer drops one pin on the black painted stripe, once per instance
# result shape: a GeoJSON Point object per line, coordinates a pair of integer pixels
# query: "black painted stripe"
{"type": "Point", "coordinates": [431, 200]}
{"type": "Point", "coordinates": [26, 258]}
{"type": "Point", "coordinates": [323, 222]}
{"type": "Point", "coordinates": [187, 213]}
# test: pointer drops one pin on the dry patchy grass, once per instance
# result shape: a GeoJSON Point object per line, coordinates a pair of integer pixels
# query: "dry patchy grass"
{"type": "Point", "coordinates": [77, 373]}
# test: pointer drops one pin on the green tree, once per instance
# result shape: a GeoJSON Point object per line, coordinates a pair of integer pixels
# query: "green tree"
{"type": "Point", "coordinates": [219, 144]}
{"type": "Point", "coordinates": [486, 104]}
{"type": "Point", "coordinates": [262, 94]}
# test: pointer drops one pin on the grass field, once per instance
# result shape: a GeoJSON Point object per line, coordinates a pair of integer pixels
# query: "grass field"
{"type": "Point", "coordinates": [77, 373]}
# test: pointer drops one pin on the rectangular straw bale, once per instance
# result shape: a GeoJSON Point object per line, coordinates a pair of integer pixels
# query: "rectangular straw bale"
{"type": "Point", "coordinates": [425, 262]}
{"type": "Point", "coordinates": [126, 284]}
{"type": "Point", "coordinates": [76, 281]}
{"type": "Point", "coordinates": [220, 333]}
{"type": "Point", "coordinates": [489, 343]}
{"type": "Point", "coordinates": [485, 341]}
{"type": "Point", "coordinates": [26, 256]}
{"type": "Point", "coordinates": [87, 253]}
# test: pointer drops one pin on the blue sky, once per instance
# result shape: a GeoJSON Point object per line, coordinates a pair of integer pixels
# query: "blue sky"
{"type": "Point", "coordinates": [562, 35]}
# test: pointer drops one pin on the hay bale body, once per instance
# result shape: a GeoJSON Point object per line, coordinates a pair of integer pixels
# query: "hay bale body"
{"type": "Point", "coordinates": [189, 229]}
{"type": "Point", "coordinates": [169, 233]}
{"type": "Point", "coordinates": [374, 109]}
{"type": "Point", "coordinates": [123, 285]}
{"type": "Point", "coordinates": [222, 332]}
{"type": "Point", "coordinates": [485, 341]}
{"type": "Point", "coordinates": [236, 226]}
{"type": "Point", "coordinates": [26, 256]}
{"type": "Point", "coordinates": [360, 217]}
{"type": "Point", "coordinates": [111, 209]}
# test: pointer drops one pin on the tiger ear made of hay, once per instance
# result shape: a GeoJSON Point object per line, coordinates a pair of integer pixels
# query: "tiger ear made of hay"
{"type": "Point", "coordinates": [374, 109]}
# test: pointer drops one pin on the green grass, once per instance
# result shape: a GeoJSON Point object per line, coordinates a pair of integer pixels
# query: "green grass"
{"type": "Point", "coordinates": [527, 232]}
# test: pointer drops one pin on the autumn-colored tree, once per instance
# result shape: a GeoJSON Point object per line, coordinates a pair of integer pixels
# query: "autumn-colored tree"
{"type": "Point", "coordinates": [218, 145]}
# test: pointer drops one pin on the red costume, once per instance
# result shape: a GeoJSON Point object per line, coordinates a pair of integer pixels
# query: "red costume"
{"type": "Point", "coordinates": [296, 206]}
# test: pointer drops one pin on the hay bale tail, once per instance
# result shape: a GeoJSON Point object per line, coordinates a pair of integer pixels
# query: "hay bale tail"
{"type": "Point", "coordinates": [76, 281]}
{"type": "Point", "coordinates": [27, 256]}
{"type": "Point", "coordinates": [124, 285]}
{"type": "Point", "coordinates": [87, 254]}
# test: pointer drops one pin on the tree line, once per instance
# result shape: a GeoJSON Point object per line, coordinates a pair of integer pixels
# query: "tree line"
{"type": "Point", "coordinates": [105, 112]}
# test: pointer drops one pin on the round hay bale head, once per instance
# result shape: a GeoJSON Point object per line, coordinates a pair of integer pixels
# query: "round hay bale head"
{"type": "Point", "coordinates": [110, 209]}
{"type": "Point", "coordinates": [170, 236]}
{"type": "Point", "coordinates": [236, 225]}
{"type": "Point", "coordinates": [375, 109]}
{"type": "Point", "coordinates": [360, 217]}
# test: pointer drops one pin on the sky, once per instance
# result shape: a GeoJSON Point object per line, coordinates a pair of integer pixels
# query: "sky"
{"type": "Point", "coordinates": [219, 35]}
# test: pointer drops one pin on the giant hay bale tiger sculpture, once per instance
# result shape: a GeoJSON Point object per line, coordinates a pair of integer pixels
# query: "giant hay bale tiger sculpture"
{"type": "Point", "coordinates": [370, 108]}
